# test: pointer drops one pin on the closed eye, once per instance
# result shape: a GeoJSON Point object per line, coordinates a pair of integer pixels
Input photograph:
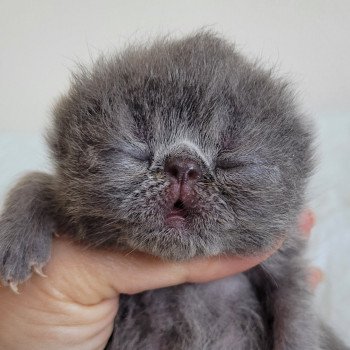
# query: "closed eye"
{"type": "Point", "coordinates": [228, 164]}
{"type": "Point", "coordinates": [234, 162]}
{"type": "Point", "coordinates": [140, 155]}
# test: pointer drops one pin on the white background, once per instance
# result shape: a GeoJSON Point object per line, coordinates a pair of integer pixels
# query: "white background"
{"type": "Point", "coordinates": [307, 40]}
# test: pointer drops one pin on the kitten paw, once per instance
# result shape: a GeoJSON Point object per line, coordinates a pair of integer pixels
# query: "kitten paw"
{"type": "Point", "coordinates": [18, 261]}
{"type": "Point", "coordinates": [38, 269]}
{"type": "Point", "coordinates": [26, 229]}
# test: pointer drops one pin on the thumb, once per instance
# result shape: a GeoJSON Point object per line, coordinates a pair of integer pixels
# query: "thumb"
{"type": "Point", "coordinates": [90, 276]}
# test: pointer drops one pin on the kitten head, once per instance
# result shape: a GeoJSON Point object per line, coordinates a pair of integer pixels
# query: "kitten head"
{"type": "Point", "coordinates": [179, 149]}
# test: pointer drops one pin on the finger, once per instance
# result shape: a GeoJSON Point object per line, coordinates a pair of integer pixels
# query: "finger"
{"type": "Point", "coordinates": [90, 276]}
{"type": "Point", "coordinates": [316, 276]}
{"type": "Point", "coordinates": [146, 272]}
{"type": "Point", "coordinates": [220, 267]}
{"type": "Point", "coordinates": [307, 222]}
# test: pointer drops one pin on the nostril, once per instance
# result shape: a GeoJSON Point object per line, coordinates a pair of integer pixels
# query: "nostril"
{"type": "Point", "coordinates": [173, 171]}
{"type": "Point", "coordinates": [192, 174]}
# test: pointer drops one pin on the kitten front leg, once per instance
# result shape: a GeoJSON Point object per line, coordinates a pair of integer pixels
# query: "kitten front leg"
{"type": "Point", "coordinates": [26, 229]}
{"type": "Point", "coordinates": [282, 287]}
{"type": "Point", "coordinates": [295, 325]}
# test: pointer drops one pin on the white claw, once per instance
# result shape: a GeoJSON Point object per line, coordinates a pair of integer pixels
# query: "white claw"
{"type": "Point", "coordinates": [56, 235]}
{"type": "Point", "coordinates": [39, 271]}
{"type": "Point", "coordinates": [14, 287]}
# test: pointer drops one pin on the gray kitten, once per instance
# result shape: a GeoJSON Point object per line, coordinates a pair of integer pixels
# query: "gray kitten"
{"type": "Point", "coordinates": [179, 149]}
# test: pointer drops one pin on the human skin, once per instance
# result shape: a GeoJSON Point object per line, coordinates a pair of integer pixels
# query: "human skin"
{"type": "Point", "coordinates": [74, 307]}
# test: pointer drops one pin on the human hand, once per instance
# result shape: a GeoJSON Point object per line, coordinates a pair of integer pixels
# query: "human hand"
{"type": "Point", "coordinates": [306, 223]}
{"type": "Point", "coordinates": [75, 306]}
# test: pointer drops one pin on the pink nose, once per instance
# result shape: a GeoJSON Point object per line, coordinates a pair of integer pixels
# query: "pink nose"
{"type": "Point", "coordinates": [183, 170]}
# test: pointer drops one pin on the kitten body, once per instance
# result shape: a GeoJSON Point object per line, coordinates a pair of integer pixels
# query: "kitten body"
{"type": "Point", "coordinates": [179, 149]}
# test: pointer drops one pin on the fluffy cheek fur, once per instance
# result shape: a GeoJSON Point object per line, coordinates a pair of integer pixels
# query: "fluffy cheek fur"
{"type": "Point", "coordinates": [227, 216]}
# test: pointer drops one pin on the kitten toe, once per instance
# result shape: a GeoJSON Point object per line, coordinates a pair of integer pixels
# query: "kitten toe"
{"type": "Point", "coordinates": [14, 287]}
{"type": "Point", "coordinates": [19, 261]}
{"type": "Point", "coordinates": [38, 269]}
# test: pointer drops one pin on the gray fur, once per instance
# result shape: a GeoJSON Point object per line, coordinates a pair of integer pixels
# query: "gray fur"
{"type": "Point", "coordinates": [195, 99]}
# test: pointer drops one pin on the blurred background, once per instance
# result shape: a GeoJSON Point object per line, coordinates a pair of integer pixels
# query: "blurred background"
{"type": "Point", "coordinates": [307, 41]}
